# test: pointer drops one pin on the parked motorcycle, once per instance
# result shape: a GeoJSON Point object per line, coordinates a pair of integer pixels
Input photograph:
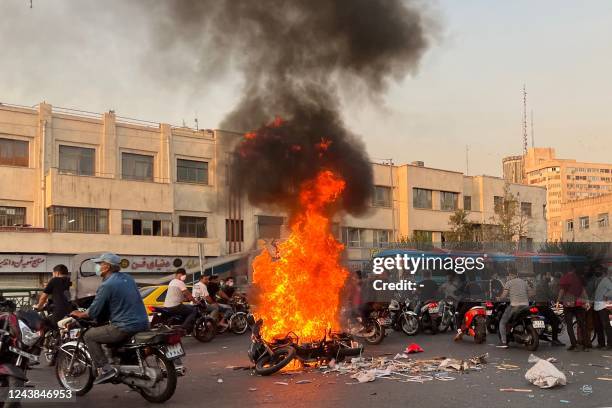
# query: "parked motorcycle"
{"type": "Point", "coordinates": [149, 362]}
{"type": "Point", "coordinates": [447, 315]}
{"type": "Point", "coordinates": [474, 323]}
{"type": "Point", "coordinates": [204, 328]}
{"type": "Point", "coordinates": [428, 314]}
{"type": "Point", "coordinates": [270, 357]}
{"type": "Point", "coordinates": [525, 327]}
{"type": "Point", "coordinates": [237, 321]}
{"type": "Point", "coordinates": [19, 348]}
{"type": "Point", "coordinates": [402, 318]}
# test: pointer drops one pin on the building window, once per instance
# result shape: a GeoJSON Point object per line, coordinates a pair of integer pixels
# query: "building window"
{"type": "Point", "coordinates": [381, 238]}
{"type": "Point", "coordinates": [193, 227]}
{"type": "Point", "coordinates": [146, 223]}
{"type": "Point", "coordinates": [136, 167]}
{"type": "Point", "coordinates": [10, 216]}
{"type": "Point", "coordinates": [77, 160]}
{"type": "Point", "coordinates": [421, 198]}
{"type": "Point", "coordinates": [234, 230]}
{"type": "Point", "coordinates": [526, 209]}
{"type": "Point", "coordinates": [191, 171]}
{"type": "Point", "coordinates": [352, 237]}
{"type": "Point", "coordinates": [498, 203]}
{"type": "Point", "coordinates": [448, 201]}
{"type": "Point", "coordinates": [269, 227]}
{"type": "Point", "coordinates": [14, 152]}
{"type": "Point", "coordinates": [603, 220]}
{"type": "Point", "coordinates": [569, 225]}
{"type": "Point", "coordinates": [382, 196]}
{"type": "Point", "coordinates": [584, 222]}
{"type": "Point", "coordinates": [75, 219]}
{"type": "Point", "coordinates": [467, 203]}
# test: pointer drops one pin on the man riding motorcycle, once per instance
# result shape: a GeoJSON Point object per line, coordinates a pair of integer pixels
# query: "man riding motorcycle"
{"type": "Point", "coordinates": [118, 302]}
{"type": "Point", "coordinates": [517, 290]}
{"type": "Point", "coordinates": [57, 293]}
{"type": "Point", "coordinates": [177, 294]}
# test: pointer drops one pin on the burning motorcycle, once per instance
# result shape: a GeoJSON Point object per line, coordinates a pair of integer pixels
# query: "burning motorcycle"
{"type": "Point", "coordinates": [204, 328]}
{"type": "Point", "coordinates": [270, 357]}
{"type": "Point", "coordinates": [525, 327]}
{"type": "Point", "coordinates": [149, 362]}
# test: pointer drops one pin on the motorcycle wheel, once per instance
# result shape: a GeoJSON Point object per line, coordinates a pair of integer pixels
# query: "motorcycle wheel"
{"type": "Point", "coordinates": [445, 323]}
{"type": "Point", "coordinates": [49, 352]}
{"type": "Point", "coordinates": [480, 331]}
{"type": "Point", "coordinates": [378, 336]}
{"type": "Point", "coordinates": [238, 323]}
{"type": "Point", "coordinates": [535, 339]}
{"type": "Point", "coordinates": [269, 364]}
{"type": "Point", "coordinates": [205, 329]}
{"type": "Point", "coordinates": [409, 324]}
{"type": "Point", "coordinates": [82, 371]}
{"type": "Point", "coordinates": [160, 393]}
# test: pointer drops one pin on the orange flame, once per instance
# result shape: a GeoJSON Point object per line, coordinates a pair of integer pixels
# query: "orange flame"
{"type": "Point", "coordinates": [300, 290]}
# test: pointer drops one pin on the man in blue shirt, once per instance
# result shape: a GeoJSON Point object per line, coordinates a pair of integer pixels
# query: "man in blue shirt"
{"type": "Point", "coordinates": [117, 302]}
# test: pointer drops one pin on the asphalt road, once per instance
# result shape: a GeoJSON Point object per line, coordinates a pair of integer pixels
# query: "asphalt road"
{"type": "Point", "coordinates": [207, 363]}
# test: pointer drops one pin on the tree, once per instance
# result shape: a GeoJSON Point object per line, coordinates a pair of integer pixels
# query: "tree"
{"type": "Point", "coordinates": [509, 223]}
{"type": "Point", "coordinates": [461, 228]}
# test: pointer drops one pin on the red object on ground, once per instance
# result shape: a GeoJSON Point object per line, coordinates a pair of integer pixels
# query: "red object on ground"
{"type": "Point", "coordinates": [414, 348]}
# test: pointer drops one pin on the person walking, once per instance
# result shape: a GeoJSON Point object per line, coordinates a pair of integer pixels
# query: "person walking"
{"type": "Point", "coordinates": [573, 296]}
{"type": "Point", "coordinates": [603, 305]}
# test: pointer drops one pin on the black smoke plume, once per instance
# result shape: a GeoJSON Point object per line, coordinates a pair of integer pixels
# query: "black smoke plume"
{"type": "Point", "coordinates": [294, 56]}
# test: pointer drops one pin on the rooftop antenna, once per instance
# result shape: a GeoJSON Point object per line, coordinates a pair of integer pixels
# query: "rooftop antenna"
{"type": "Point", "coordinates": [532, 136]}
{"type": "Point", "coordinates": [467, 160]}
{"type": "Point", "coordinates": [524, 120]}
{"type": "Point", "coordinates": [196, 123]}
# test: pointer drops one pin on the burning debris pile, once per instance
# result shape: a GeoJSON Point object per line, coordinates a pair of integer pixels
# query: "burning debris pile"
{"type": "Point", "coordinates": [297, 59]}
{"type": "Point", "coordinates": [403, 369]}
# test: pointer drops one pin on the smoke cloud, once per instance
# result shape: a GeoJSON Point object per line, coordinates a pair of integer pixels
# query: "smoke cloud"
{"type": "Point", "coordinates": [293, 55]}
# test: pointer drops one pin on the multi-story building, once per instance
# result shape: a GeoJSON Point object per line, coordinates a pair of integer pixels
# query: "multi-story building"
{"type": "Point", "coordinates": [513, 169]}
{"type": "Point", "coordinates": [76, 182]}
{"type": "Point", "coordinates": [420, 200]}
{"type": "Point", "coordinates": [587, 219]}
{"type": "Point", "coordinates": [565, 180]}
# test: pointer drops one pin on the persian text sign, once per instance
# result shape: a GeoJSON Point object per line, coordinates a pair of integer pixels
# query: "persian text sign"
{"type": "Point", "coordinates": [23, 263]}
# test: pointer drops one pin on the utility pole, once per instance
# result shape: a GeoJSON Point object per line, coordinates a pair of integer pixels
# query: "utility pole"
{"type": "Point", "coordinates": [467, 160]}
{"type": "Point", "coordinates": [525, 147]}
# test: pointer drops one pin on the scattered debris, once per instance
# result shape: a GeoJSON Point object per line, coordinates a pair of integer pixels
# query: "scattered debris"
{"type": "Point", "coordinates": [564, 401]}
{"type": "Point", "coordinates": [604, 378]}
{"type": "Point", "coordinates": [586, 390]}
{"type": "Point", "coordinates": [516, 390]}
{"type": "Point", "coordinates": [252, 389]}
{"type": "Point", "coordinates": [534, 359]}
{"type": "Point", "coordinates": [220, 380]}
{"type": "Point", "coordinates": [507, 367]}
{"type": "Point", "coordinates": [303, 382]}
{"type": "Point", "coordinates": [544, 374]}
{"type": "Point", "coordinates": [404, 369]}
{"type": "Point", "coordinates": [281, 383]}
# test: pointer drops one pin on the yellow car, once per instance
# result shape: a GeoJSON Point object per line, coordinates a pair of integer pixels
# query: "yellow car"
{"type": "Point", "coordinates": [155, 296]}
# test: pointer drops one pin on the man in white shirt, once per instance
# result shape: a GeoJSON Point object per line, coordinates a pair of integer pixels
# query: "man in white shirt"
{"type": "Point", "coordinates": [177, 294]}
{"type": "Point", "coordinates": [603, 300]}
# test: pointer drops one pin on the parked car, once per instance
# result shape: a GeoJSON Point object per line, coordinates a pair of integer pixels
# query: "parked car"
{"type": "Point", "coordinates": [154, 296]}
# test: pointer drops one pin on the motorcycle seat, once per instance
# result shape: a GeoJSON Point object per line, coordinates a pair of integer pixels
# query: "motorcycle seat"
{"type": "Point", "coordinates": [518, 313]}
{"type": "Point", "coordinates": [163, 310]}
{"type": "Point", "coordinates": [151, 336]}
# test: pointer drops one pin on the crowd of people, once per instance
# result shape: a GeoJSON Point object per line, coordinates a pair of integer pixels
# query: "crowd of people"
{"type": "Point", "coordinates": [584, 293]}
{"type": "Point", "coordinates": [119, 306]}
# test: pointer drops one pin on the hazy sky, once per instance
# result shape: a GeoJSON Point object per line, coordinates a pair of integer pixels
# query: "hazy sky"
{"type": "Point", "coordinates": [96, 56]}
